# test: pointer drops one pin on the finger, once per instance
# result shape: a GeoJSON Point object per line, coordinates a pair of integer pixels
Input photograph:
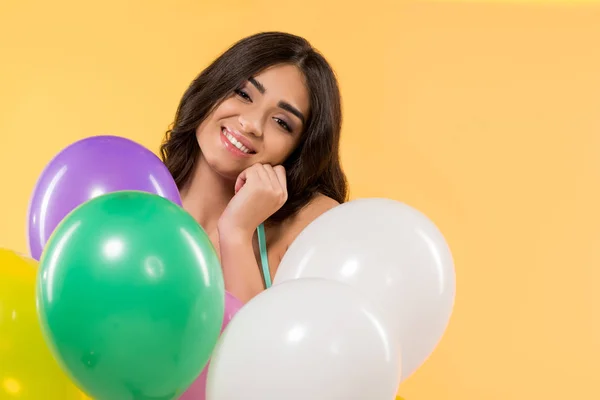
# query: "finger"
{"type": "Point", "coordinates": [273, 180]}
{"type": "Point", "coordinates": [240, 181]}
{"type": "Point", "coordinates": [279, 180]}
{"type": "Point", "coordinates": [249, 174]}
{"type": "Point", "coordinates": [281, 176]}
{"type": "Point", "coordinates": [262, 175]}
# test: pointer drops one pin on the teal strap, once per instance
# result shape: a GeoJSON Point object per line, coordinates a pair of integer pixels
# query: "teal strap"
{"type": "Point", "coordinates": [264, 260]}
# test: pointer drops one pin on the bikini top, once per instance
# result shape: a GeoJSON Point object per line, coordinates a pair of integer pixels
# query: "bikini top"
{"type": "Point", "coordinates": [264, 260]}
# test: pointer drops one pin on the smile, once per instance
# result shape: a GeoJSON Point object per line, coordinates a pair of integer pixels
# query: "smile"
{"type": "Point", "coordinates": [234, 143]}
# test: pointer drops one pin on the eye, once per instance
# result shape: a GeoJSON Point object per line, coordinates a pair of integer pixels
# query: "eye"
{"type": "Point", "coordinates": [243, 95]}
{"type": "Point", "coordinates": [283, 124]}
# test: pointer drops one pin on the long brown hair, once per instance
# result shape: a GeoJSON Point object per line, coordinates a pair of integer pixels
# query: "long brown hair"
{"type": "Point", "coordinates": [314, 166]}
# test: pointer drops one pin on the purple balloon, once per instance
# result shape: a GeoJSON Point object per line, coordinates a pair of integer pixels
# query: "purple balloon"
{"type": "Point", "coordinates": [197, 391]}
{"type": "Point", "coordinates": [89, 168]}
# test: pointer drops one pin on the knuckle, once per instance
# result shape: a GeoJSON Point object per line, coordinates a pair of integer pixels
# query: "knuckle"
{"type": "Point", "coordinates": [276, 193]}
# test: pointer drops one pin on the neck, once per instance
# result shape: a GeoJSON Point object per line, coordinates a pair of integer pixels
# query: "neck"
{"type": "Point", "coordinates": [206, 195]}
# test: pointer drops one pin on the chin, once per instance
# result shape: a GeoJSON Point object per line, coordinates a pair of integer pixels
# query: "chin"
{"type": "Point", "coordinates": [220, 162]}
{"type": "Point", "coordinates": [223, 168]}
{"type": "Point", "coordinates": [230, 175]}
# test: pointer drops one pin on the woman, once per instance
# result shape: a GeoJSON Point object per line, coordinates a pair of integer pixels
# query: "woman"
{"type": "Point", "coordinates": [254, 150]}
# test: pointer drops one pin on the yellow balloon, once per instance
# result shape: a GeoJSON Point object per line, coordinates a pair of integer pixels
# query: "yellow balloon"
{"type": "Point", "coordinates": [28, 371]}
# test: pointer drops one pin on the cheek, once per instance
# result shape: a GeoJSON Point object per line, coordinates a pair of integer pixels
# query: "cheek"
{"type": "Point", "coordinates": [279, 146]}
{"type": "Point", "coordinates": [226, 108]}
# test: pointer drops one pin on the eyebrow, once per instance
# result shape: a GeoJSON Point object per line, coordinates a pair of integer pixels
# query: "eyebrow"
{"type": "Point", "coordinates": [258, 85]}
{"type": "Point", "coordinates": [282, 104]}
{"type": "Point", "coordinates": [292, 109]}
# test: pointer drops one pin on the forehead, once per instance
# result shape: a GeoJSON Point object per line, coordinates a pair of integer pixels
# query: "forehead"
{"type": "Point", "coordinates": [285, 83]}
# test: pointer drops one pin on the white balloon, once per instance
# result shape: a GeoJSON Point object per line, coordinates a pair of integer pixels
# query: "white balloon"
{"type": "Point", "coordinates": [311, 339]}
{"type": "Point", "coordinates": [391, 252]}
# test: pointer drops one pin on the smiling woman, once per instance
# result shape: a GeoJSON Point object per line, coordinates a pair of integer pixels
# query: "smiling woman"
{"type": "Point", "coordinates": [261, 122]}
{"type": "Point", "coordinates": [254, 150]}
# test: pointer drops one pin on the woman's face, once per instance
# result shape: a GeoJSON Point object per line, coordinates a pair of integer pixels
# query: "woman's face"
{"type": "Point", "coordinates": [261, 122]}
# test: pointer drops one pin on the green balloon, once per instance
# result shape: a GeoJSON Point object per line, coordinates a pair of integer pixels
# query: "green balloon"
{"type": "Point", "coordinates": [131, 297]}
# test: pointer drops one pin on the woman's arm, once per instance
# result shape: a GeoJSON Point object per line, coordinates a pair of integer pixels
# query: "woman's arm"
{"type": "Point", "coordinates": [243, 277]}
{"type": "Point", "coordinates": [240, 270]}
{"type": "Point", "coordinates": [260, 191]}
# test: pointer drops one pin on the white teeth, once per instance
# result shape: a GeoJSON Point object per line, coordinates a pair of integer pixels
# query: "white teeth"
{"type": "Point", "coordinates": [236, 143]}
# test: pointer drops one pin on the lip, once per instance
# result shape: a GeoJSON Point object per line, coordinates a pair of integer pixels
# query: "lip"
{"type": "Point", "coordinates": [240, 138]}
{"type": "Point", "coordinates": [232, 149]}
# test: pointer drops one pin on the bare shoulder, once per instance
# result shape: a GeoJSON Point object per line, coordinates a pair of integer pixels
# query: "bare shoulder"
{"type": "Point", "coordinates": [317, 206]}
{"type": "Point", "coordinates": [296, 224]}
{"type": "Point", "coordinates": [283, 236]}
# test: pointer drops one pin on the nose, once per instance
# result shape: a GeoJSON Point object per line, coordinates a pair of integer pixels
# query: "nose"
{"type": "Point", "coordinates": [251, 124]}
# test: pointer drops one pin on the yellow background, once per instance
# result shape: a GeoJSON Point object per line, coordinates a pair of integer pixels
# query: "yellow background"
{"type": "Point", "coordinates": [484, 116]}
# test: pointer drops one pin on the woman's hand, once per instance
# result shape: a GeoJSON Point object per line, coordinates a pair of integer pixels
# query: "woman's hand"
{"type": "Point", "coordinates": [260, 191]}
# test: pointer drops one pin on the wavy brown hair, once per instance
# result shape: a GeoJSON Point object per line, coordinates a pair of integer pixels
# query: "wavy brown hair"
{"type": "Point", "coordinates": [314, 165]}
